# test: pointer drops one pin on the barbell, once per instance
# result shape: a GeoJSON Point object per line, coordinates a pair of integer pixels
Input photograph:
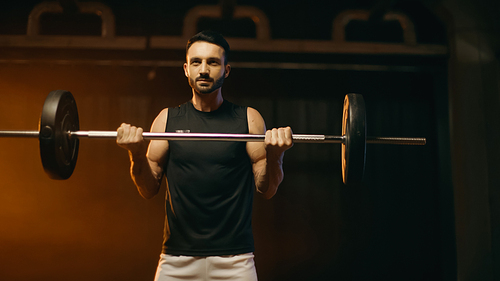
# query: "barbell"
{"type": "Point", "coordinates": [59, 134]}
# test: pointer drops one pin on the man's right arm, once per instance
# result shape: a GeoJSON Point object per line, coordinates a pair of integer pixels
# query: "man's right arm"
{"type": "Point", "coordinates": [147, 162]}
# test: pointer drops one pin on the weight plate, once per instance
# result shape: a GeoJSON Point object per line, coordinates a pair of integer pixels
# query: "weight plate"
{"type": "Point", "coordinates": [57, 151]}
{"type": "Point", "coordinates": [354, 145]}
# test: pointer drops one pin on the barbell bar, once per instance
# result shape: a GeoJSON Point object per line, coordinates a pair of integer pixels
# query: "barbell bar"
{"type": "Point", "coordinates": [297, 138]}
{"type": "Point", "coordinates": [59, 136]}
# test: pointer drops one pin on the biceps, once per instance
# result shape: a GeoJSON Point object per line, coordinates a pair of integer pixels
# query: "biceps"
{"type": "Point", "coordinates": [157, 153]}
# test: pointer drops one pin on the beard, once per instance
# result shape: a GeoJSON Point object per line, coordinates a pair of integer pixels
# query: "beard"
{"type": "Point", "coordinates": [206, 89]}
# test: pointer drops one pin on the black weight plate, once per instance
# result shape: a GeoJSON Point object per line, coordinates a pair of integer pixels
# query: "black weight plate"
{"type": "Point", "coordinates": [57, 151]}
{"type": "Point", "coordinates": [354, 132]}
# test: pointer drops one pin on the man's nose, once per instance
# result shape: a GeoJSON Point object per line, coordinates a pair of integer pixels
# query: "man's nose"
{"type": "Point", "coordinates": [204, 68]}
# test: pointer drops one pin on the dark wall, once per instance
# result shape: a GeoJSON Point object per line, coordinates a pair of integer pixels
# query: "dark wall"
{"type": "Point", "coordinates": [399, 224]}
{"type": "Point", "coordinates": [474, 107]}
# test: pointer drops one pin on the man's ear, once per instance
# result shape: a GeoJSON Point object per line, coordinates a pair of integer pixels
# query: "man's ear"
{"type": "Point", "coordinates": [227, 70]}
{"type": "Point", "coordinates": [185, 69]}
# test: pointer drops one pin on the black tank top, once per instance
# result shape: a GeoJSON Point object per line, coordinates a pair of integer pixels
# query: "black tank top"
{"type": "Point", "coordinates": [210, 185]}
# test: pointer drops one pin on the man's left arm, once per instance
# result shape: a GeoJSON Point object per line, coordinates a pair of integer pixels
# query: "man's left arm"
{"type": "Point", "coordinates": [267, 156]}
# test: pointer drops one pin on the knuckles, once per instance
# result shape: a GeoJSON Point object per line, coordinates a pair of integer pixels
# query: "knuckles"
{"type": "Point", "coordinates": [279, 137]}
{"type": "Point", "coordinates": [128, 134]}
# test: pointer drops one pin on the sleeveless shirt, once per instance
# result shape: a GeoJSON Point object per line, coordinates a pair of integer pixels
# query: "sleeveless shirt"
{"type": "Point", "coordinates": [210, 185]}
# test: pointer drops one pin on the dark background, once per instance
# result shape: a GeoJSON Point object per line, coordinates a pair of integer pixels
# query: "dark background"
{"type": "Point", "coordinates": [421, 213]}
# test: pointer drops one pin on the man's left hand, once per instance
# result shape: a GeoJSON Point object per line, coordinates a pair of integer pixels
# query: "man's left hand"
{"type": "Point", "coordinates": [278, 140]}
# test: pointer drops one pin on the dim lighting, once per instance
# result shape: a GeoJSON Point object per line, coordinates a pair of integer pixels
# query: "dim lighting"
{"type": "Point", "coordinates": [151, 74]}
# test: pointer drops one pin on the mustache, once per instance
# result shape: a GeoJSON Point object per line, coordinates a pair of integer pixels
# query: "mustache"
{"type": "Point", "coordinates": [204, 77]}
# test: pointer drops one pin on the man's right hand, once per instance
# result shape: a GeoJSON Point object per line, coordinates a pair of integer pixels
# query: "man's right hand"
{"type": "Point", "coordinates": [130, 138]}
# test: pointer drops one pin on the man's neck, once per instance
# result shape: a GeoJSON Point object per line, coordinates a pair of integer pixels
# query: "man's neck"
{"type": "Point", "coordinates": [207, 102]}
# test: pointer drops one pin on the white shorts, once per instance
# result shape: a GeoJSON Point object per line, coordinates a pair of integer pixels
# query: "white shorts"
{"type": "Point", "coordinates": [232, 268]}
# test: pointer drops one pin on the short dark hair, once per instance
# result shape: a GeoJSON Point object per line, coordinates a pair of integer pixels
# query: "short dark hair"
{"type": "Point", "coordinates": [211, 37]}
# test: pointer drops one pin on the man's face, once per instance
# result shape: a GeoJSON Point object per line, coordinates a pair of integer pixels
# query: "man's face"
{"type": "Point", "coordinates": [205, 67]}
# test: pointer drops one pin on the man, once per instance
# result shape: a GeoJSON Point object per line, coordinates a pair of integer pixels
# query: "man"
{"type": "Point", "coordinates": [210, 184]}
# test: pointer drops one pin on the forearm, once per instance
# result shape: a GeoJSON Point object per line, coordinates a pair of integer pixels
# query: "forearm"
{"type": "Point", "coordinates": [267, 157]}
{"type": "Point", "coordinates": [147, 182]}
{"type": "Point", "coordinates": [270, 175]}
